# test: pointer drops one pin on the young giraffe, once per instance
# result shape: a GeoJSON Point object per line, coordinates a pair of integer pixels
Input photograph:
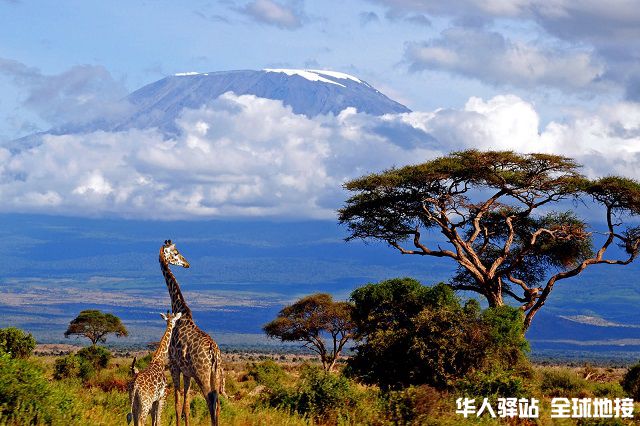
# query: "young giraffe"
{"type": "Point", "coordinates": [192, 352]}
{"type": "Point", "coordinates": [147, 390]}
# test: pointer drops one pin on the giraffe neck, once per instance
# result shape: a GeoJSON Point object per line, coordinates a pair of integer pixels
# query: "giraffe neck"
{"type": "Point", "coordinates": [160, 355]}
{"type": "Point", "coordinates": [178, 303]}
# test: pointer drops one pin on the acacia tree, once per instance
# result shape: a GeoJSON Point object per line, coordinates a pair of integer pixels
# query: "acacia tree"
{"type": "Point", "coordinates": [95, 325]}
{"type": "Point", "coordinates": [309, 320]}
{"type": "Point", "coordinates": [494, 210]}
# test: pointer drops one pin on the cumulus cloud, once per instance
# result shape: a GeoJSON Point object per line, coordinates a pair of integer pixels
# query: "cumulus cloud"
{"type": "Point", "coordinates": [604, 28]}
{"type": "Point", "coordinates": [492, 58]}
{"type": "Point", "coordinates": [289, 15]}
{"type": "Point", "coordinates": [248, 156]}
{"type": "Point", "coordinates": [78, 95]}
{"type": "Point", "coordinates": [239, 156]}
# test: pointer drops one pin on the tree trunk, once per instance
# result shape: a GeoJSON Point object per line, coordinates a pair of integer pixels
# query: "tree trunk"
{"type": "Point", "coordinates": [494, 296]}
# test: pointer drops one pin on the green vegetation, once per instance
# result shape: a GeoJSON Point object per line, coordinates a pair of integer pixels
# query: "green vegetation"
{"type": "Point", "coordinates": [16, 342]}
{"type": "Point", "coordinates": [83, 364]}
{"type": "Point", "coordinates": [27, 397]}
{"type": "Point", "coordinates": [95, 326]}
{"type": "Point", "coordinates": [274, 392]}
{"type": "Point", "coordinates": [439, 341]}
{"type": "Point", "coordinates": [97, 356]}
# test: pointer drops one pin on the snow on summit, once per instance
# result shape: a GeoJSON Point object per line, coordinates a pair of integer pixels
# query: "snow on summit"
{"type": "Point", "coordinates": [316, 75]}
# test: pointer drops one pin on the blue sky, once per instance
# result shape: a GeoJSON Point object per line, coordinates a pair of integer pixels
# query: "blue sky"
{"type": "Point", "coordinates": [555, 76]}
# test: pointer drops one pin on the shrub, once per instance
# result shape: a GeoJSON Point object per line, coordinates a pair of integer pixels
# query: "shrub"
{"type": "Point", "coordinates": [562, 382]}
{"type": "Point", "coordinates": [86, 369]}
{"type": "Point", "coordinates": [410, 334]}
{"type": "Point", "coordinates": [322, 394]}
{"type": "Point", "coordinates": [412, 405]}
{"type": "Point", "coordinates": [608, 390]}
{"type": "Point", "coordinates": [631, 382]}
{"type": "Point", "coordinates": [27, 397]}
{"type": "Point", "coordinates": [318, 394]}
{"type": "Point", "coordinates": [267, 373]}
{"type": "Point", "coordinates": [71, 366]}
{"type": "Point", "coordinates": [65, 367]}
{"type": "Point", "coordinates": [493, 384]}
{"type": "Point", "coordinates": [16, 342]}
{"type": "Point", "coordinates": [97, 356]}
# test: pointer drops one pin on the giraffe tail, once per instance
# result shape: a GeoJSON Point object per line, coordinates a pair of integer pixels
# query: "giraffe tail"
{"type": "Point", "coordinates": [132, 397]}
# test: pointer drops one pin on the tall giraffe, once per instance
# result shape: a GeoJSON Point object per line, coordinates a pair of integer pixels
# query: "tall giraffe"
{"type": "Point", "coordinates": [147, 389]}
{"type": "Point", "coordinates": [192, 352]}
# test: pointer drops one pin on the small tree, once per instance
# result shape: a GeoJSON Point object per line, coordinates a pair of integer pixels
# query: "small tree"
{"type": "Point", "coordinates": [16, 342]}
{"type": "Point", "coordinates": [495, 212]}
{"type": "Point", "coordinates": [310, 320]}
{"type": "Point", "coordinates": [95, 326]}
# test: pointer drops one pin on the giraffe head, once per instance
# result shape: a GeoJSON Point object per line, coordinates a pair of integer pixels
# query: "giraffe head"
{"type": "Point", "coordinates": [172, 255]}
{"type": "Point", "coordinates": [171, 319]}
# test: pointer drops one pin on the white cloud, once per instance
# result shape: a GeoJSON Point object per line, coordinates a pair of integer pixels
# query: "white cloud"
{"type": "Point", "coordinates": [248, 156]}
{"type": "Point", "coordinates": [492, 58]}
{"type": "Point", "coordinates": [287, 16]}
{"type": "Point", "coordinates": [240, 156]}
{"type": "Point", "coordinates": [582, 29]}
{"type": "Point", "coordinates": [81, 94]}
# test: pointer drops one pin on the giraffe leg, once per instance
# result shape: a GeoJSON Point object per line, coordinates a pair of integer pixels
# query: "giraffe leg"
{"type": "Point", "coordinates": [154, 414]}
{"type": "Point", "coordinates": [161, 402]}
{"type": "Point", "coordinates": [186, 407]}
{"type": "Point", "coordinates": [156, 411]}
{"type": "Point", "coordinates": [175, 376]}
{"type": "Point", "coordinates": [135, 410]}
{"type": "Point", "coordinates": [144, 412]}
{"type": "Point", "coordinates": [210, 392]}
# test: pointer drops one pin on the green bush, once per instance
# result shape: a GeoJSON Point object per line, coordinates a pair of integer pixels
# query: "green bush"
{"type": "Point", "coordinates": [97, 356]}
{"type": "Point", "coordinates": [409, 334]}
{"type": "Point", "coordinates": [27, 397]}
{"type": "Point", "coordinates": [16, 342]}
{"type": "Point", "coordinates": [65, 367]}
{"type": "Point", "coordinates": [71, 366]}
{"type": "Point", "coordinates": [631, 382]}
{"type": "Point", "coordinates": [267, 373]}
{"type": "Point", "coordinates": [562, 382]}
{"type": "Point", "coordinates": [608, 390]}
{"type": "Point", "coordinates": [413, 405]}
{"type": "Point", "coordinates": [322, 394]}
{"type": "Point", "coordinates": [494, 384]}
{"type": "Point", "coordinates": [318, 394]}
{"type": "Point", "coordinates": [86, 369]}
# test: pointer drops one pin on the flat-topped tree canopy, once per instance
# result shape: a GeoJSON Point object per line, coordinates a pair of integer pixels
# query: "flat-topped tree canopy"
{"type": "Point", "coordinates": [495, 210]}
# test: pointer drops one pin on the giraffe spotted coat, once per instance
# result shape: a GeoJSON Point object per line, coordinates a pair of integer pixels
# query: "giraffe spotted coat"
{"type": "Point", "coordinates": [147, 390]}
{"type": "Point", "coordinates": [193, 354]}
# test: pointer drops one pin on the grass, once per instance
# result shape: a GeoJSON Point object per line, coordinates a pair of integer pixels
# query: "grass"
{"type": "Point", "coordinates": [103, 400]}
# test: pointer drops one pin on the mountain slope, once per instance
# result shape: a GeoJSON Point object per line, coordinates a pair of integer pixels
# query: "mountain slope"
{"type": "Point", "coordinates": [159, 104]}
{"type": "Point", "coordinates": [307, 92]}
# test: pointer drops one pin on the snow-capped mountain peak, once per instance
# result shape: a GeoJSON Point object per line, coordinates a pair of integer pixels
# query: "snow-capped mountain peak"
{"type": "Point", "coordinates": [317, 75]}
{"type": "Point", "coordinates": [307, 92]}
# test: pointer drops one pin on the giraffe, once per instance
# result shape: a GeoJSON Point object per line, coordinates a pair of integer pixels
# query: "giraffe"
{"type": "Point", "coordinates": [192, 352]}
{"type": "Point", "coordinates": [147, 389]}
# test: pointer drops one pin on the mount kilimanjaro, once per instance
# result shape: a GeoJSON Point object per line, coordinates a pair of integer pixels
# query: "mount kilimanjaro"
{"type": "Point", "coordinates": [307, 92]}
